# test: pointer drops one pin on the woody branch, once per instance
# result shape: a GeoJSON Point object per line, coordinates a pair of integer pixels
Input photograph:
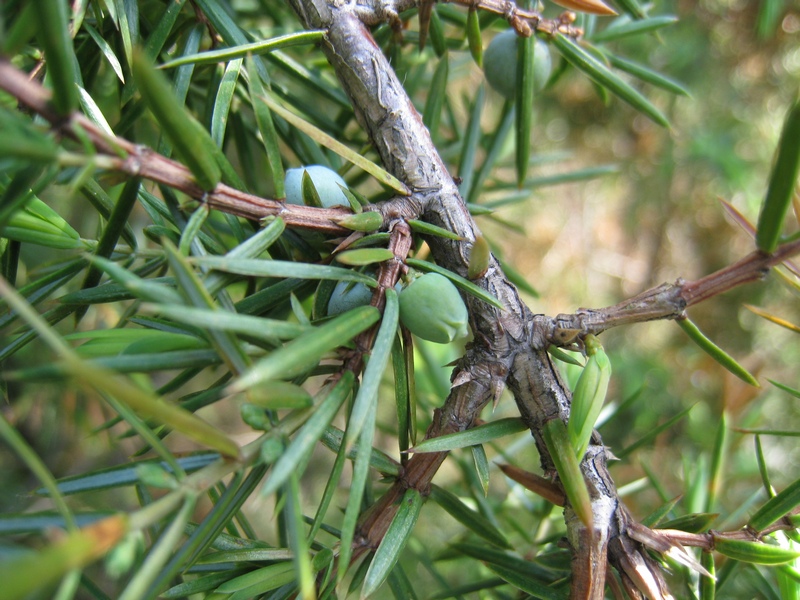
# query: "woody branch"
{"type": "Point", "coordinates": [509, 347]}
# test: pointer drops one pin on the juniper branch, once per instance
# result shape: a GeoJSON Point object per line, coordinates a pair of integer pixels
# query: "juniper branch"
{"type": "Point", "coordinates": [135, 160]}
{"type": "Point", "coordinates": [510, 344]}
{"type": "Point", "coordinates": [669, 301]}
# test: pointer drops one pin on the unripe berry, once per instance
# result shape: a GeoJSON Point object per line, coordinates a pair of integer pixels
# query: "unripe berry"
{"type": "Point", "coordinates": [500, 64]}
{"type": "Point", "coordinates": [346, 296]}
{"type": "Point", "coordinates": [432, 309]}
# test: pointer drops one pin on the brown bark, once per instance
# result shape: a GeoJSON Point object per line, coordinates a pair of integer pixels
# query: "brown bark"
{"type": "Point", "coordinates": [510, 345]}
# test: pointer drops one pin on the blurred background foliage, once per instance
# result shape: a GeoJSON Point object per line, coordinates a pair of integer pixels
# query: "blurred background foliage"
{"type": "Point", "coordinates": [655, 216]}
{"type": "Point", "coordinates": [661, 218]}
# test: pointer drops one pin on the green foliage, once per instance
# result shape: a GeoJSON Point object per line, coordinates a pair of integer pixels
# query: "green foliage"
{"type": "Point", "coordinates": [180, 398]}
{"type": "Point", "coordinates": [589, 396]}
{"type": "Point", "coordinates": [782, 182]}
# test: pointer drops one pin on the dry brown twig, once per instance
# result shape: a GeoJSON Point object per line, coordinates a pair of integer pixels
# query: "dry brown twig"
{"type": "Point", "coordinates": [510, 345]}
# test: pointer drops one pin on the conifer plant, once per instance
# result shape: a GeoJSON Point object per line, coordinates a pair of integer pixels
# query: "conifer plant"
{"type": "Point", "coordinates": [288, 300]}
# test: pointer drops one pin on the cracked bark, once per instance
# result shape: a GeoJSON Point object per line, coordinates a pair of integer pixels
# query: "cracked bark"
{"type": "Point", "coordinates": [510, 345]}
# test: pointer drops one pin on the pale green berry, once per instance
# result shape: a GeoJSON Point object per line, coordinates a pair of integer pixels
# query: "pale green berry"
{"type": "Point", "coordinates": [500, 64]}
{"type": "Point", "coordinates": [432, 309]}
{"type": "Point", "coordinates": [346, 296]}
{"type": "Point", "coordinates": [326, 181]}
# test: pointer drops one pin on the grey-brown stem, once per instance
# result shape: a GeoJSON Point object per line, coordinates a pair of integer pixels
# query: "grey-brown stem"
{"type": "Point", "coordinates": [510, 345]}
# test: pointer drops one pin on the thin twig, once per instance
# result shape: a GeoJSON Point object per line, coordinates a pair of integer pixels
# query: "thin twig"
{"type": "Point", "coordinates": [400, 242]}
{"type": "Point", "coordinates": [139, 161]}
{"type": "Point", "coordinates": [669, 301]}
